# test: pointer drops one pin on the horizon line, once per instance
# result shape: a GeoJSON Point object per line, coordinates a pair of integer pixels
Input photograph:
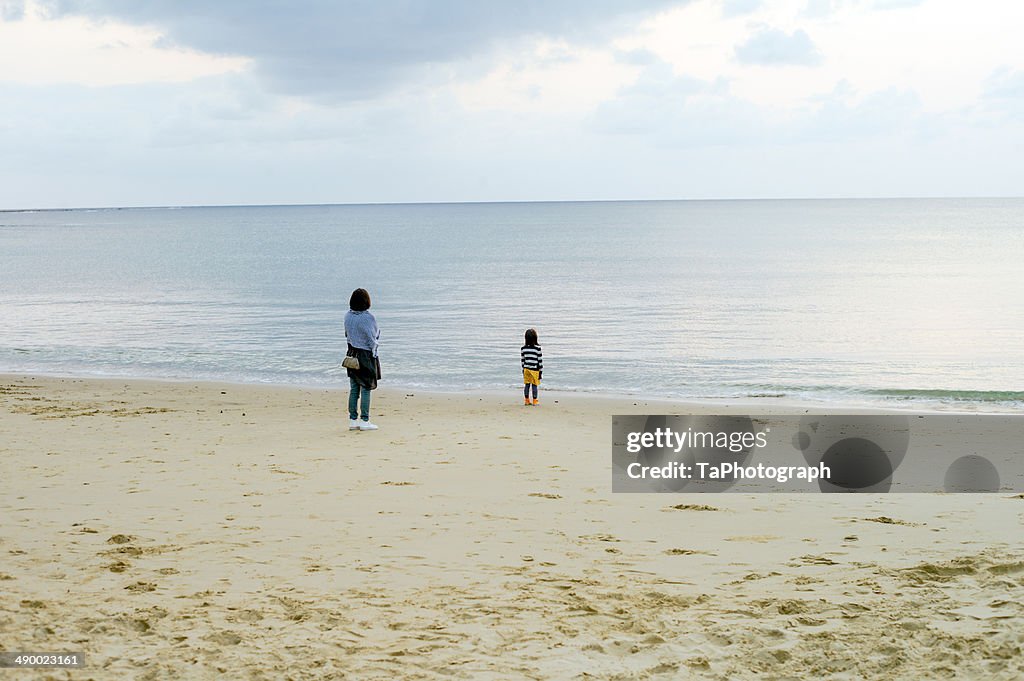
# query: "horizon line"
{"type": "Point", "coordinates": [498, 202]}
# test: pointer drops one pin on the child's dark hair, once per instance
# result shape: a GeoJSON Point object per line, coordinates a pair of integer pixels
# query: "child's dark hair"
{"type": "Point", "coordinates": [531, 336]}
{"type": "Point", "coordinates": [360, 300]}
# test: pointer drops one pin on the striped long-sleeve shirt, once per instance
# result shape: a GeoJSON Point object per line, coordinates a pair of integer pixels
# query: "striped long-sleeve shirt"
{"type": "Point", "coordinates": [532, 357]}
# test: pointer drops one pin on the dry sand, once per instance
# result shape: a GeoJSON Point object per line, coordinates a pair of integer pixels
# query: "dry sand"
{"type": "Point", "coordinates": [180, 530]}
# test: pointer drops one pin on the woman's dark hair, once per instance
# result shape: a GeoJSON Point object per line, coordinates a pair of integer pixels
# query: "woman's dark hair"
{"type": "Point", "coordinates": [360, 300]}
{"type": "Point", "coordinates": [531, 336]}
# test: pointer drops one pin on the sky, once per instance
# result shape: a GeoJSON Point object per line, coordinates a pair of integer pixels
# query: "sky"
{"type": "Point", "coordinates": [191, 102]}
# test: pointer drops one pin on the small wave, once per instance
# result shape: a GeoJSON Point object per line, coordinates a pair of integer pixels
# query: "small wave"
{"type": "Point", "coordinates": [949, 395]}
{"type": "Point", "coordinates": [903, 395]}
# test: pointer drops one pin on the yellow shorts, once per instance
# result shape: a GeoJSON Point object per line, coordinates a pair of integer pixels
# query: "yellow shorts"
{"type": "Point", "coordinates": [531, 377]}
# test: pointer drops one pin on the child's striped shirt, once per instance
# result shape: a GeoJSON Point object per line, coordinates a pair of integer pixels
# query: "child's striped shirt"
{"type": "Point", "coordinates": [532, 358]}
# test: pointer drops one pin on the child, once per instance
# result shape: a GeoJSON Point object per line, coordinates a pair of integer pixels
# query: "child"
{"type": "Point", "coordinates": [533, 365]}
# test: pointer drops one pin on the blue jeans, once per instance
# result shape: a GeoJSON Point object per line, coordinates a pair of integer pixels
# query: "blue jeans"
{"type": "Point", "coordinates": [353, 401]}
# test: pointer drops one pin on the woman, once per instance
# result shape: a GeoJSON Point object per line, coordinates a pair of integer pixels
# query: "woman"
{"type": "Point", "coordinates": [362, 334]}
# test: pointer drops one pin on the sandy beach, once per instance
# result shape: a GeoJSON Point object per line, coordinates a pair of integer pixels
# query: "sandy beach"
{"type": "Point", "coordinates": [193, 530]}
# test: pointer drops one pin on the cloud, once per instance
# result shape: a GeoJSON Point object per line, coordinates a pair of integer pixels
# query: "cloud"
{"type": "Point", "coordinates": [35, 50]}
{"type": "Point", "coordinates": [11, 10]}
{"type": "Point", "coordinates": [362, 48]}
{"type": "Point", "coordinates": [679, 111]}
{"type": "Point", "coordinates": [895, 4]}
{"type": "Point", "coordinates": [736, 8]}
{"type": "Point", "coordinates": [841, 116]}
{"type": "Point", "coordinates": [637, 57]}
{"type": "Point", "coordinates": [1005, 84]}
{"type": "Point", "coordinates": [1003, 94]}
{"type": "Point", "coordinates": [818, 9]}
{"type": "Point", "coordinates": [775, 47]}
{"type": "Point", "coordinates": [670, 110]}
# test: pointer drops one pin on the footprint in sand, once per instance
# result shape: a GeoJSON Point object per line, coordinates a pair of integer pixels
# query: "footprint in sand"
{"type": "Point", "coordinates": [141, 587]}
{"type": "Point", "coordinates": [135, 624]}
{"type": "Point", "coordinates": [811, 560]}
{"type": "Point", "coordinates": [247, 616]}
{"type": "Point", "coordinates": [940, 572]}
{"type": "Point", "coordinates": [687, 552]}
{"type": "Point", "coordinates": [755, 538]}
{"type": "Point", "coordinates": [886, 520]}
{"type": "Point", "coordinates": [1007, 568]}
{"type": "Point", "coordinates": [692, 507]}
{"type": "Point", "coordinates": [224, 638]}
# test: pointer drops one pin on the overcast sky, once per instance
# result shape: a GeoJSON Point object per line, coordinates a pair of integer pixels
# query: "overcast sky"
{"type": "Point", "coordinates": [183, 102]}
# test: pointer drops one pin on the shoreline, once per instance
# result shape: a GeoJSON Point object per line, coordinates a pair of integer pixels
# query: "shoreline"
{"type": "Point", "coordinates": [762, 405]}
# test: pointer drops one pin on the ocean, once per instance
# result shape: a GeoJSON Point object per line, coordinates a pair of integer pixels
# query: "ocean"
{"type": "Point", "coordinates": [909, 302]}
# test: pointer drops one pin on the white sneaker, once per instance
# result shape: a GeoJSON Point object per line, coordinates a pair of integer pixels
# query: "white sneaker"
{"type": "Point", "coordinates": [353, 425]}
{"type": "Point", "coordinates": [366, 425]}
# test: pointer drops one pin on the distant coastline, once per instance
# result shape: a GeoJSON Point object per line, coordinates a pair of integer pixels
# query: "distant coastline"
{"type": "Point", "coordinates": [500, 202]}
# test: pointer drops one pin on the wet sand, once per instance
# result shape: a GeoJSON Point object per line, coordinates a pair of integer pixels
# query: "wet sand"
{"type": "Point", "coordinates": [189, 530]}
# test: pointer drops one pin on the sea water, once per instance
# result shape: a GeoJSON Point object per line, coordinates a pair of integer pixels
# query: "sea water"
{"type": "Point", "coordinates": [910, 301]}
